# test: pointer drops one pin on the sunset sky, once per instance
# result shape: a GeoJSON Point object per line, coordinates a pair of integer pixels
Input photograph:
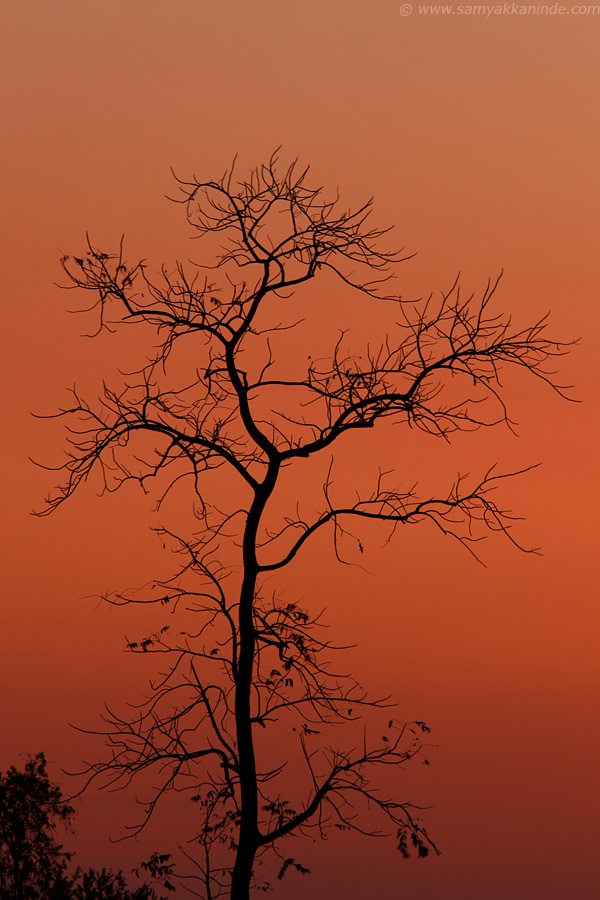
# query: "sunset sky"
{"type": "Point", "coordinates": [479, 139]}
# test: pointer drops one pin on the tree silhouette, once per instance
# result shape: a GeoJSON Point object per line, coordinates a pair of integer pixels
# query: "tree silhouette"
{"type": "Point", "coordinates": [220, 393]}
{"type": "Point", "coordinates": [33, 866]}
{"type": "Point", "coordinates": [32, 863]}
{"type": "Point", "coordinates": [106, 885]}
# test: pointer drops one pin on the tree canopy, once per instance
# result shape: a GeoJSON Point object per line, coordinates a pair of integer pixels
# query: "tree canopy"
{"type": "Point", "coordinates": [32, 862]}
{"type": "Point", "coordinates": [33, 865]}
{"type": "Point", "coordinates": [225, 387]}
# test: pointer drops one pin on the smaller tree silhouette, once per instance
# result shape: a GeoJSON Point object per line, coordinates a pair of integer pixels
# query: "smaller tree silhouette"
{"type": "Point", "coordinates": [107, 885]}
{"type": "Point", "coordinates": [32, 863]}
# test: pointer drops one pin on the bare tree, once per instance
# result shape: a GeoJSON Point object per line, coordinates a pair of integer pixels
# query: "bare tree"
{"type": "Point", "coordinates": [220, 392]}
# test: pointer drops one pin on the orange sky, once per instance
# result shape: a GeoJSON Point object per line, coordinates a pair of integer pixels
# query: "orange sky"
{"type": "Point", "coordinates": [479, 139]}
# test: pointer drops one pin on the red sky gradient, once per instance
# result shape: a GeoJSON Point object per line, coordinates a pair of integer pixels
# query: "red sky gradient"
{"type": "Point", "coordinates": [479, 139]}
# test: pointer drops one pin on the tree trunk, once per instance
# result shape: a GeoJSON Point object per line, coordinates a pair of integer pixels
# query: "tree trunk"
{"type": "Point", "coordinates": [248, 830]}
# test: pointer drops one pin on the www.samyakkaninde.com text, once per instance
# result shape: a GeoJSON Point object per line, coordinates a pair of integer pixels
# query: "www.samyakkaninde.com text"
{"type": "Point", "coordinates": [503, 9]}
